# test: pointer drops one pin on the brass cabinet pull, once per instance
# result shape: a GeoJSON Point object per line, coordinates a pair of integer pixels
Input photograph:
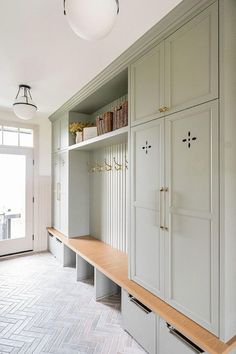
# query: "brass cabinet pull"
{"type": "Point", "coordinates": [163, 109]}
{"type": "Point", "coordinates": [164, 228]}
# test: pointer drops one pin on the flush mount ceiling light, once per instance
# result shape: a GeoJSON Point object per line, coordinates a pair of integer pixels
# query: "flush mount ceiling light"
{"type": "Point", "coordinates": [24, 107]}
{"type": "Point", "coordinates": [91, 19]}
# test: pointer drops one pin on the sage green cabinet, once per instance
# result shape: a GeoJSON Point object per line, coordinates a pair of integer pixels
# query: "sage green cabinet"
{"type": "Point", "coordinates": [56, 128]}
{"type": "Point", "coordinates": [179, 73]}
{"type": "Point", "coordinates": [70, 201]}
{"type": "Point", "coordinates": [191, 62]}
{"type": "Point", "coordinates": [147, 85]}
{"type": "Point", "coordinates": [60, 134]}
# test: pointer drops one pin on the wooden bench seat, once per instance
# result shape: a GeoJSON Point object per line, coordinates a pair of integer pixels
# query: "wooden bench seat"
{"type": "Point", "coordinates": [114, 264]}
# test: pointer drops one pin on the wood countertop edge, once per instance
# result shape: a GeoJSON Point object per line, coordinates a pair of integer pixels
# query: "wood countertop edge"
{"type": "Point", "coordinates": [200, 336]}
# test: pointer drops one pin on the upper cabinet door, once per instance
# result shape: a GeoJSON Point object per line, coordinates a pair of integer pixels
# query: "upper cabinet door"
{"type": "Point", "coordinates": [147, 86]}
{"type": "Point", "coordinates": [191, 62]}
{"type": "Point", "coordinates": [56, 138]}
{"type": "Point", "coordinates": [192, 208]}
{"type": "Point", "coordinates": [64, 132]}
{"type": "Point", "coordinates": [147, 200]}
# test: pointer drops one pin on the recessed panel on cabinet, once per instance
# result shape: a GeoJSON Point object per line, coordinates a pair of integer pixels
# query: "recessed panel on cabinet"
{"type": "Point", "coordinates": [192, 213]}
{"type": "Point", "coordinates": [147, 242]}
{"type": "Point", "coordinates": [64, 133]}
{"type": "Point", "coordinates": [56, 143]}
{"type": "Point", "coordinates": [147, 85]}
{"type": "Point", "coordinates": [191, 62]}
{"type": "Point", "coordinates": [64, 193]}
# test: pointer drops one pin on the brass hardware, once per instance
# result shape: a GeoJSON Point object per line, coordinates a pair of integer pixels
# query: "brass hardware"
{"type": "Point", "coordinates": [163, 109]}
{"type": "Point", "coordinates": [99, 167]}
{"type": "Point", "coordinates": [118, 166]}
{"type": "Point", "coordinates": [166, 228]}
{"type": "Point", "coordinates": [91, 168]}
{"type": "Point", "coordinates": [126, 163]}
{"type": "Point", "coordinates": [107, 166]}
{"type": "Point", "coordinates": [162, 227]}
{"type": "Point", "coordinates": [162, 189]}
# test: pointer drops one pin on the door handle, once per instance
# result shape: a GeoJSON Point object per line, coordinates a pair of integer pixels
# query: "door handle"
{"type": "Point", "coordinates": [140, 305]}
{"type": "Point", "coordinates": [184, 340]}
{"type": "Point", "coordinates": [160, 208]}
{"type": "Point", "coordinates": [58, 191]}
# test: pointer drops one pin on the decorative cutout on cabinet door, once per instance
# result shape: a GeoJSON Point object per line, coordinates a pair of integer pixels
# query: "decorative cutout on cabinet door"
{"type": "Point", "coordinates": [146, 147]}
{"type": "Point", "coordinates": [189, 139]}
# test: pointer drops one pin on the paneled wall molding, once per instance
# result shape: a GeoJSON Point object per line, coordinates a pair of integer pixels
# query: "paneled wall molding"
{"type": "Point", "coordinates": [177, 17]}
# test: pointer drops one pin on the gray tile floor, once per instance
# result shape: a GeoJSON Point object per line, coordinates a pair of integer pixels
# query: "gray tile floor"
{"type": "Point", "coordinates": [44, 310]}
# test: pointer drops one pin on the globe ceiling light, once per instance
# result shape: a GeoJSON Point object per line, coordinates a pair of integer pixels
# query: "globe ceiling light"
{"type": "Point", "coordinates": [24, 107]}
{"type": "Point", "coordinates": [91, 19]}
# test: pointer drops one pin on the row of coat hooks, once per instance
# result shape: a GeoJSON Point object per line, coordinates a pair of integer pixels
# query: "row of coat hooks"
{"type": "Point", "coordinates": [105, 166]}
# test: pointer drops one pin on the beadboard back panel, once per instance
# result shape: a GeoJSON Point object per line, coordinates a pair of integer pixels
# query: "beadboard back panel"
{"type": "Point", "coordinates": [108, 197]}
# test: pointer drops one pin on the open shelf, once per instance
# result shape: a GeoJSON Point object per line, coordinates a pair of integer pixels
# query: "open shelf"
{"type": "Point", "coordinates": [112, 138]}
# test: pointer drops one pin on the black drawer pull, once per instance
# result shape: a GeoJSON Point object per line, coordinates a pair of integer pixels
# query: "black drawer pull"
{"type": "Point", "coordinates": [184, 339]}
{"type": "Point", "coordinates": [58, 240]}
{"type": "Point", "coordinates": [139, 304]}
{"type": "Point", "coordinates": [50, 235]}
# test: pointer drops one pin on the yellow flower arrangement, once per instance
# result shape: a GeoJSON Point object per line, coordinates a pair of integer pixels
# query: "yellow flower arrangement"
{"type": "Point", "coordinates": [78, 127]}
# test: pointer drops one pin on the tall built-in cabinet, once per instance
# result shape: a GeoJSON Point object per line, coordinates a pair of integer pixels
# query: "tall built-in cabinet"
{"type": "Point", "coordinates": [179, 163]}
{"type": "Point", "coordinates": [175, 170]}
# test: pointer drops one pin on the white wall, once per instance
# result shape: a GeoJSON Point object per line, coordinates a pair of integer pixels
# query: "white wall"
{"type": "Point", "coordinates": [42, 175]}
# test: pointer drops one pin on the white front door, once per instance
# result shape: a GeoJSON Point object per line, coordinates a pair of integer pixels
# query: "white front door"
{"type": "Point", "coordinates": [16, 200]}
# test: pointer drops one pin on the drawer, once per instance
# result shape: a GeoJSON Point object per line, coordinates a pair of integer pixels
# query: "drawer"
{"type": "Point", "coordinates": [59, 250]}
{"type": "Point", "coordinates": [172, 341]}
{"type": "Point", "coordinates": [139, 322]}
{"type": "Point", "coordinates": [52, 244]}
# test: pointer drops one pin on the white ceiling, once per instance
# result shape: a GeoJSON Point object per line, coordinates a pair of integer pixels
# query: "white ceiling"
{"type": "Point", "coordinates": [38, 48]}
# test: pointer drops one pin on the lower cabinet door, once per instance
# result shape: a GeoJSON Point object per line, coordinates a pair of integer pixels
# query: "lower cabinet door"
{"type": "Point", "coordinates": [173, 342]}
{"type": "Point", "coordinates": [59, 250]}
{"type": "Point", "coordinates": [192, 214]}
{"type": "Point", "coordinates": [52, 244]}
{"type": "Point", "coordinates": [147, 242]}
{"type": "Point", "coordinates": [139, 322]}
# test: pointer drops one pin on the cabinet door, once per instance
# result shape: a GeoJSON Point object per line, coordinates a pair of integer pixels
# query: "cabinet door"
{"type": "Point", "coordinates": [64, 192]}
{"type": "Point", "coordinates": [191, 62]}
{"type": "Point", "coordinates": [147, 85]}
{"type": "Point", "coordinates": [56, 191]}
{"type": "Point", "coordinates": [146, 203]}
{"type": "Point", "coordinates": [192, 243]}
{"type": "Point", "coordinates": [56, 143]}
{"type": "Point", "coordinates": [64, 133]}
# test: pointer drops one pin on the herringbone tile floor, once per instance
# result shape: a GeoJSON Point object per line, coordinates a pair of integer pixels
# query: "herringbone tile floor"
{"type": "Point", "coordinates": [44, 310]}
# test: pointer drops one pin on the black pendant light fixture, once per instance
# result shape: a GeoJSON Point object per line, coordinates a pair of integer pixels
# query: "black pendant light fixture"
{"type": "Point", "coordinates": [24, 107]}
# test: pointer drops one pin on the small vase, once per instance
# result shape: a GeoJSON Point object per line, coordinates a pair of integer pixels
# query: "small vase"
{"type": "Point", "coordinates": [78, 137]}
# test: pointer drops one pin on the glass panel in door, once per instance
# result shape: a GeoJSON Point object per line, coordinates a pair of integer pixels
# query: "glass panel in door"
{"type": "Point", "coordinates": [16, 209]}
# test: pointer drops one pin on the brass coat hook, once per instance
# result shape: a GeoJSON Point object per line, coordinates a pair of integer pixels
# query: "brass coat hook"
{"type": "Point", "coordinates": [118, 166]}
{"type": "Point", "coordinates": [99, 167]}
{"type": "Point", "coordinates": [91, 168]}
{"type": "Point", "coordinates": [108, 167]}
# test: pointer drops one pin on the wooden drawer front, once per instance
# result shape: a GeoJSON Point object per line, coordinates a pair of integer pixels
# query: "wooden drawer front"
{"type": "Point", "coordinates": [52, 244]}
{"type": "Point", "coordinates": [59, 250]}
{"type": "Point", "coordinates": [139, 322]}
{"type": "Point", "coordinates": [171, 341]}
